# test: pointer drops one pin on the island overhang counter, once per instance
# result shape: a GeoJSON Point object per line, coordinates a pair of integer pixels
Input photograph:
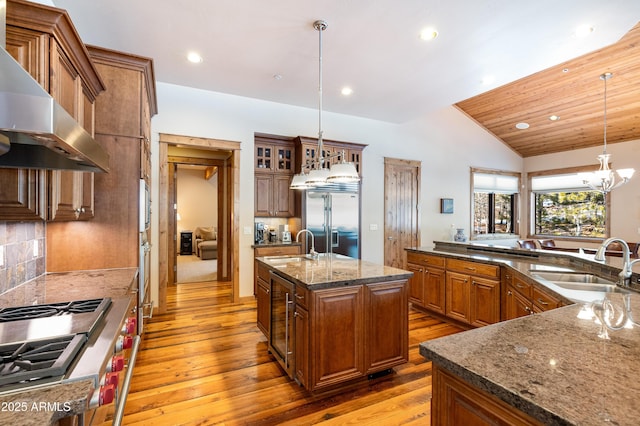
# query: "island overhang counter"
{"type": "Point", "coordinates": [333, 320]}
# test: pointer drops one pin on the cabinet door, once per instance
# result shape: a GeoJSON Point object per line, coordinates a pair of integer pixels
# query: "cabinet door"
{"type": "Point", "coordinates": [543, 301]}
{"type": "Point", "coordinates": [387, 325]}
{"type": "Point", "coordinates": [264, 194]}
{"type": "Point", "coordinates": [263, 158]}
{"type": "Point", "coordinates": [516, 305]}
{"type": "Point", "coordinates": [22, 194]}
{"type": "Point", "coordinates": [434, 289]}
{"type": "Point", "coordinates": [457, 303]}
{"type": "Point", "coordinates": [263, 302]}
{"type": "Point", "coordinates": [283, 200]}
{"type": "Point", "coordinates": [302, 346]}
{"type": "Point", "coordinates": [355, 156]}
{"type": "Point", "coordinates": [337, 336]}
{"type": "Point", "coordinates": [416, 284]}
{"type": "Point", "coordinates": [284, 159]}
{"type": "Point", "coordinates": [71, 195]}
{"type": "Point", "coordinates": [485, 301]}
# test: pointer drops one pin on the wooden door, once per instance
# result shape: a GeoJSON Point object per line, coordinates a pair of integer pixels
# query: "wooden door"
{"type": "Point", "coordinates": [401, 206]}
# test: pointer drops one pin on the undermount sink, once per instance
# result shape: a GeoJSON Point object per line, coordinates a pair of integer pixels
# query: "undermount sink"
{"type": "Point", "coordinates": [572, 277]}
{"type": "Point", "coordinates": [579, 281]}
{"type": "Point", "coordinates": [288, 258]}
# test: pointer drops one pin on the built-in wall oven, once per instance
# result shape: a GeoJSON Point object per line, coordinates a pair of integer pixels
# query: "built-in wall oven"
{"type": "Point", "coordinates": [144, 302]}
{"type": "Point", "coordinates": [282, 338]}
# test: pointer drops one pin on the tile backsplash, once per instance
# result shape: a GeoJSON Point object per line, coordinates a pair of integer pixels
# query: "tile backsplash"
{"type": "Point", "coordinates": [22, 256]}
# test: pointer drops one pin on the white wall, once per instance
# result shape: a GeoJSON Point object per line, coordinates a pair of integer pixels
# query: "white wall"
{"type": "Point", "coordinates": [446, 142]}
{"type": "Point", "coordinates": [197, 199]}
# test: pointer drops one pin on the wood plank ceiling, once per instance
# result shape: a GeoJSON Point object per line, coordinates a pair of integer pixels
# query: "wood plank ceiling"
{"type": "Point", "coordinates": [573, 91]}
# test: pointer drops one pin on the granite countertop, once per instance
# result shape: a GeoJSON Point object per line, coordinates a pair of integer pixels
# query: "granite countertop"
{"type": "Point", "coordinates": [74, 285]}
{"type": "Point", "coordinates": [47, 404]}
{"type": "Point", "coordinates": [332, 270]}
{"type": "Point", "coordinates": [552, 366]}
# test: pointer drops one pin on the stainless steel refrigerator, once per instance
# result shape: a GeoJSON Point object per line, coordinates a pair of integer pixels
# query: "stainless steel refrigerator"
{"type": "Point", "coordinates": [334, 220]}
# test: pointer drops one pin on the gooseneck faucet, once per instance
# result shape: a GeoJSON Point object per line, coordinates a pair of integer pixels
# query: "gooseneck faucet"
{"type": "Point", "coordinates": [625, 274]}
{"type": "Point", "coordinates": [312, 252]}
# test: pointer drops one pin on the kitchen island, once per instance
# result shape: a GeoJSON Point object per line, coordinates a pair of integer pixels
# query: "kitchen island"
{"type": "Point", "coordinates": [333, 320]}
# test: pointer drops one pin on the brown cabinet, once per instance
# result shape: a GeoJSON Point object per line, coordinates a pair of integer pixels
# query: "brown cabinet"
{"type": "Point", "coordinates": [307, 151]}
{"type": "Point", "coordinates": [43, 40]}
{"type": "Point", "coordinates": [273, 198]}
{"type": "Point", "coordinates": [122, 127]}
{"type": "Point", "coordinates": [427, 286]}
{"type": "Point", "coordinates": [456, 402]}
{"type": "Point", "coordinates": [522, 297]}
{"type": "Point", "coordinates": [473, 292]}
{"type": "Point", "coordinates": [263, 300]}
{"type": "Point", "coordinates": [274, 166]}
{"type": "Point", "coordinates": [71, 195]}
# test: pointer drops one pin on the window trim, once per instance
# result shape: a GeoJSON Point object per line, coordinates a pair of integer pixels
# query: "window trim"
{"type": "Point", "coordinates": [516, 204]}
{"type": "Point", "coordinates": [530, 203]}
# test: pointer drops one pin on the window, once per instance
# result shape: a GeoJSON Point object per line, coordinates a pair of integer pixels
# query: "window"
{"type": "Point", "coordinates": [562, 206]}
{"type": "Point", "coordinates": [495, 197]}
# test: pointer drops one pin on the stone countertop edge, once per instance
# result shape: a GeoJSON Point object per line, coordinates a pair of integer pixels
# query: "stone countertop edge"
{"type": "Point", "coordinates": [551, 366]}
{"type": "Point", "coordinates": [45, 406]}
{"type": "Point", "coordinates": [341, 272]}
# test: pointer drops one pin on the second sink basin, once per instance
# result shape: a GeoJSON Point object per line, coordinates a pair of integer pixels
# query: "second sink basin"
{"type": "Point", "coordinates": [572, 277]}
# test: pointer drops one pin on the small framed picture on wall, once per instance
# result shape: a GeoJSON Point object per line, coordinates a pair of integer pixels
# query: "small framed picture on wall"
{"type": "Point", "coordinates": [446, 205]}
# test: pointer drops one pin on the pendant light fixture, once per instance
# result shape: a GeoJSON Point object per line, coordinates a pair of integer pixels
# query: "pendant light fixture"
{"type": "Point", "coordinates": [604, 179]}
{"type": "Point", "coordinates": [320, 172]}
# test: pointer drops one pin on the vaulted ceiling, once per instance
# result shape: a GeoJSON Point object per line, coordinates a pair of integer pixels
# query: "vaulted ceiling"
{"type": "Point", "coordinates": [573, 92]}
{"type": "Point", "coordinates": [268, 50]}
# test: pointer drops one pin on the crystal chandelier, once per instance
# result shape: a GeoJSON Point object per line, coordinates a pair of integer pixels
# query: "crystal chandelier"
{"type": "Point", "coordinates": [320, 173]}
{"type": "Point", "coordinates": [604, 179]}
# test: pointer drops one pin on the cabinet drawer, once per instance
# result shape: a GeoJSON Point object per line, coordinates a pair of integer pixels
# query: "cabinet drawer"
{"type": "Point", "coordinates": [263, 272]}
{"type": "Point", "coordinates": [302, 297]}
{"type": "Point", "coordinates": [522, 287]}
{"type": "Point", "coordinates": [425, 259]}
{"type": "Point", "coordinates": [277, 251]}
{"type": "Point", "coordinates": [473, 268]}
{"type": "Point", "coordinates": [544, 301]}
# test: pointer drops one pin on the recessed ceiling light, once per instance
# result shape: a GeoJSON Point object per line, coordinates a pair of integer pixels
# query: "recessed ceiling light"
{"type": "Point", "coordinates": [277, 77]}
{"type": "Point", "coordinates": [194, 58]}
{"type": "Point", "coordinates": [565, 70]}
{"type": "Point", "coordinates": [583, 31]}
{"type": "Point", "coordinates": [428, 33]}
{"type": "Point", "coordinates": [522, 126]}
{"type": "Point", "coordinates": [554, 117]}
{"type": "Point", "coordinates": [346, 91]}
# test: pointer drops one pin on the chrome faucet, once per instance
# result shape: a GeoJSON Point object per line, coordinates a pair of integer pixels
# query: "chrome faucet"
{"type": "Point", "coordinates": [625, 274]}
{"type": "Point", "coordinates": [312, 252]}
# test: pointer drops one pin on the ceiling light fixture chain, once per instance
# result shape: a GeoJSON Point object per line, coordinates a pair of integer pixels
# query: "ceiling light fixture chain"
{"type": "Point", "coordinates": [321, 171]}
{"type": "Point", "coordinates": [604, 179]}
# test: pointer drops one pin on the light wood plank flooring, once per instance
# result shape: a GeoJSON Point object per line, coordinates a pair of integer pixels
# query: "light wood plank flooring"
{"type": "Point", "coordinates": [205, 362]}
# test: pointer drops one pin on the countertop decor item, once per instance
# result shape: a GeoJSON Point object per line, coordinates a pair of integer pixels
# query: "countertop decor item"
{"type": "Point", "coordinates": [460, 237]}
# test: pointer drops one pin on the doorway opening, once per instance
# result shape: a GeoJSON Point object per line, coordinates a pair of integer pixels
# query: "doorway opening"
{"type": "Point", "coordinates": [224, 156]}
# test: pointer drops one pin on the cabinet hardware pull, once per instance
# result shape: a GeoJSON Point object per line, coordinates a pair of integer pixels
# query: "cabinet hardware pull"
{"type": "Point", "coordinates": [299, 297]}
{"type": "Point", "coordinates": [469, 268]}
{"type": "Point", "coordinates": [509, 293]}
{"type": "Point", "coordinates": [520, 285]}
{"type": "Point", "coordinates": [542, 302]}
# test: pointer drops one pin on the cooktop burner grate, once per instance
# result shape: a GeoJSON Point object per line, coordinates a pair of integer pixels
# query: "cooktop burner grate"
{"type": "Point", "coordinates": [38, 359]}
{"type": "Point", "coordinates": [49, 310]}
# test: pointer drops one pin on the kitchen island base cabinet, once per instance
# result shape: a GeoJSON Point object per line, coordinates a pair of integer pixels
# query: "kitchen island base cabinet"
{"type": "Point", "coordinates": [455, 402]}
{"type": "Point", "coordinates": [355, 331]}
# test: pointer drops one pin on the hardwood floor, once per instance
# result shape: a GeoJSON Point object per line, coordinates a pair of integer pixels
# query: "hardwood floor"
{"type": "Point", "coordinates": [205, 362]}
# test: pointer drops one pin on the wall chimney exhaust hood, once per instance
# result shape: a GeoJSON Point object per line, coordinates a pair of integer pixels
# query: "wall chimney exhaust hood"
{"type": "Point", "coordinates": [42, 135]}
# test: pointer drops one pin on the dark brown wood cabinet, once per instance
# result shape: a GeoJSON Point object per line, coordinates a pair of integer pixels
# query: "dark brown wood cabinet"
{"type": "Point", "coordinates": [306, 151]}
{"type": "Point", "coordinates": [274, 166]}
{"type": "Point", "coordinates": [43, 40]}
{"type": "Point", "coordinates": [522, 297]}
{"type": "Point", "coordinates": [427, 286]}
{"type": "Point", "coordinates": [458, 303]}
{"type": "Point", "coordinates": [485, 302]}
{"type": "Point", "coordinates": [270, 250]}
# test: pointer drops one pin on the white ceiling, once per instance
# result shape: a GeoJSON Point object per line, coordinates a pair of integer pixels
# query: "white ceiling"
{"type": "Point", "coordinates": [370, 45]}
